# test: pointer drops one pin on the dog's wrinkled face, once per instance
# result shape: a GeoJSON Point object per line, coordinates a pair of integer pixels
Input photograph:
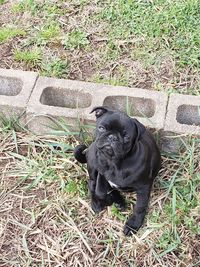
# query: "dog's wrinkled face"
{"type": "Point", "coordinates": [115, 133]}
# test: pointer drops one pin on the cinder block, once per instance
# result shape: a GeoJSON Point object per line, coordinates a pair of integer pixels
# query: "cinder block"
{"type": "Point", "coordinates": [172, 142]}
{"type": "Point", "coordinates": [70, 100]}
{"type": "Point", "coordinates": [183, 114]}
{"type": "Point", "coordinates": [148, 106]}
{"type": "Point", "coordinates": [15, 89]}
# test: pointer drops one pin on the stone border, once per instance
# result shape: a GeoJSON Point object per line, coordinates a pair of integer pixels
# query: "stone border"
{"type": "Point", "coordinates": [15, 89]}
{"type": "Point", "coordinates": [74, 99]}
{"type": "Point", "coordinates": [44, 99]}
{"type": "Point", "coordinates": [183, 114]}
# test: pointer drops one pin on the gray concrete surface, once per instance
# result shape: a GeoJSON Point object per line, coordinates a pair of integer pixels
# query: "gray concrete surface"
{"type": "Point", "coordinates": [183, 114]}
{"type": "Point", "coordinates": [15, 89]}
{"type": "Point", "coordinates": [73, 100]}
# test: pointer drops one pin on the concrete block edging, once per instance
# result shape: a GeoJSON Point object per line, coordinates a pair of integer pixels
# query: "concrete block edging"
{"type": "Point", "coordinates": [73, 99]}
{"type": "Point", "coordinates": [43, 97]}
{"type": "Point", "coordinates": [183, 114]}
{"type": "Point", "coordinates": [15, 89]}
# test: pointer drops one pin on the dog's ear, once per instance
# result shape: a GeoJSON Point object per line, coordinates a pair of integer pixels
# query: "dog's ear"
{"type": "Point", "coordinates": [99, 111]}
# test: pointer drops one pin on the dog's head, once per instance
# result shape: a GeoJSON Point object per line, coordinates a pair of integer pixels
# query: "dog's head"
{"type": "Point", "coordinates": [116, 133]}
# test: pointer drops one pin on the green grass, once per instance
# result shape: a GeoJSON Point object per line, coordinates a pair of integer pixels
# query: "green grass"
{"type": "Point", "coordinates": [159, 27]}
{"type": "Point", "coordinates": [49, 32]}
{"type": "Point", "coordinates": [76, 39]}
{"type": "Point", "coordinates": [31, 57]}
{"type": "Point", "coordinates": [74, 187]}
{"type": "Point", "coordinates": [56, 67]}
{"type": "Point", "coordinates": [25, 5]}
{"type": "Point", "coordinates": [10, 123]}
{"type": "Point", "coordinates": [147, 44]}
{"type": "Point", "coordinates": [119, 79]}
{"type": "Point", "coordinates": [7, 33]}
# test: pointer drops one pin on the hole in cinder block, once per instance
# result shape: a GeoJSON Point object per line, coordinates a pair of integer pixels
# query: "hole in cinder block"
{"type": "Point", "coordinates": [60, 97]}
{"type": "Point", "coordinates": [10, 86]}
{"type": "Point", "coordinates": [188, 114]}
{"type": "Point", "coordinates": [134, 106]}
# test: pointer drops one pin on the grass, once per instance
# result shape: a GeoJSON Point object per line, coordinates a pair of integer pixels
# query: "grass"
{"type": "Point", "coordinates": [159, 26]}
{"type": "Point", "coordinates": [46, 217]}
{"type": "Point", "coordinates": [45, 208]}
{"type": "Point", "coordinates": [8, 33]}
{"type": "Point", "coordinates": [75, 39]}
{"type": "Point", "coordinates": [147, 44]}
{"type": "Point", "coordinates": [49, 33]}
{"type": "Point", "coordinates": [56, 67]}
{"type": "Point", "coordinates": [30, 57]}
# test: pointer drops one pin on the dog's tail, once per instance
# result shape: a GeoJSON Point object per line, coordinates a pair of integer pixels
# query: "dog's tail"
{"type": "Point", "coordinates": [79, 153]}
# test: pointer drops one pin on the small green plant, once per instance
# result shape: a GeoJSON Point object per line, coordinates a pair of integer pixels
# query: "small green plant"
{"type": "Point", "coordinates": [56, 68]}
{"type": "Point", "coordinates": [10, 124]}
{"type": "Point", "coordinates": [167, 242]}
{"type": "Point", "coordinates": [7, 33]}
{"type": "Point", "coordinates": [52, 10]}
{"type": "Point", "coordinates": [30, 57]}
{"type": "Point", "coordinates": [25, 5]}
{"type": "Point", "coordinates": [50, 32]}
{"type": "Point", "coordinates": [2, 2]}
{"type": "Point", "coordinates": [75, 187]}
{"type": "Point", "coordinates": [116, 80]}
{"type": "Point", "coordinates": [117, 213]}
{"type": "Point", "coordinates": [75, 39]}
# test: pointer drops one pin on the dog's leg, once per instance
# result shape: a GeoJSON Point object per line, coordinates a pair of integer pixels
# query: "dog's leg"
{"type": "Point", "coordinates": [136, 219]}
{"type": "Point", "coordinates": [98, 191]}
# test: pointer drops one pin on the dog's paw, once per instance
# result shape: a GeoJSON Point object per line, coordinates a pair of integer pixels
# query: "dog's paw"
{"type": "Point", "coordinates": [118, 199]}
{"type": "Point", "coordinates": [97, 206]}
{"type": "Point", "coordinates": [132, 226]}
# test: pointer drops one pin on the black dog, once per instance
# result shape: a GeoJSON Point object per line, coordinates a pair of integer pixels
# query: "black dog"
{"type": "Point", "coordinates": [123, 157]}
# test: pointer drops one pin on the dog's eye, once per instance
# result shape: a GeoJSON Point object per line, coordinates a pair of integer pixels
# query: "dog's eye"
{"type": "Point", "coordinates": [101, 128]}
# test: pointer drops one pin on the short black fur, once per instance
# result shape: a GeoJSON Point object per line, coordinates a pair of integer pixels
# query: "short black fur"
{"type": "Point", "coordinates": [124, 157]}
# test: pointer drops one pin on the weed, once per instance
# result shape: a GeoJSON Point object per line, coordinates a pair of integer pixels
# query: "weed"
{"type": "Point", "coordinates": [156, 42]}
{"type": "Point", "coordinates": [57, 68]}
{"type": "Point", "coordinates": [7, 33]}
{"type": "Point", "coordinates": [75, 187]}
{"type": "Point", "coordinates": [115, 80]}
{"type": "Point", "coordinates": [10, 124]}
{"type": "Point", "coordinates": [167, 240]}
{"type": "Point", "coordinates": [75, 39]}
{"type": "Point", "coordinates": [116, 213]}
{"type": "Point", "coordinates": [25, 5]}
{"type": "Point", "coordinates": [44, 169]}
{"type": "Point", "coordinates": [31, 57]}
{"type": "Point", "coordinates": [52, 10]}
{"type": "Point", "coordinates": [50, 32]}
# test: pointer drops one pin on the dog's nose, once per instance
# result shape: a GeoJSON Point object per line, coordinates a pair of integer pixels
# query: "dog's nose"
{"type": "Point", "coordinates": [112, 138]}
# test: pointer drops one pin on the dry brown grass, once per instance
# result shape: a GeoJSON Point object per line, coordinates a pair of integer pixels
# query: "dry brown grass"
{"type": "Point", "coordinates": [46, 224]}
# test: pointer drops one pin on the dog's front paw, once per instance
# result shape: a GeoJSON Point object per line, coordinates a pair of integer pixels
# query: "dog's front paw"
{"type": "Point", "coordinates": [132, 225]}
{"type": "Point", "coordinates": [97, 205]}
{"type": "Point", "coordinates": [115, 197]}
